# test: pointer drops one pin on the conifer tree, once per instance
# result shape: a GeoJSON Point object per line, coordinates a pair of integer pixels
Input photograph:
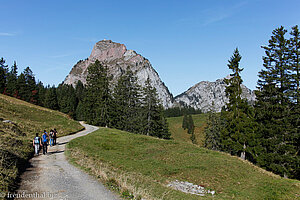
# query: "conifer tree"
{"type": "Point", "coordinates": [66, 98]}
{"type": "Point", "coordinates": [237, 116]}
{"type": "Point", "coordinates": [212, 131]}
{"type": "Point", "coordinates": [155, 123]}
{"type": "Point", "coordinates": [191, 128]}
{"type": "Point", "coordinates": [51, 98]}
{"type": "Point", "coordinates": [190, 124]}
{"type": "Point", "coordinates": [81, 111]}
{"type": "Point", "coordinates": [79, 90]}
{"type": "Point", "coordinates": [98, 95]}
{"type": "Point", "coordinates": [185, 122]}
{"type": "Point", "coordinates": [193, 138]}
{"type": "Point", "coordinates": [294, 48]}
{"type": "Point", "coordinates": [21, 87]}
{"type": "Point", "coordinates": [3, 75]}
{"type": "Point", "coordinates": [127, 103]}
{"type": "Point", "coordinates": [294, 117]}
{"type": "Point", "coordinates": [273, 106]}
{"type": "Point", "coordinates": [40, 95]}
{"type": "Point", "coordinates": [80, 94]}
{"type": "Point", "coordinates": [12, 77]}
{"type": "Point", "coordinates": [31, 93]}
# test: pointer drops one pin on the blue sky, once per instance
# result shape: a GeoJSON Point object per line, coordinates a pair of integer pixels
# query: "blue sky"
{"type": "Point", "coordinates": [186, 41]}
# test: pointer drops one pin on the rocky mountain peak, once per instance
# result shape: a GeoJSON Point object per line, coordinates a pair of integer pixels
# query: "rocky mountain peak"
{"type": "Point", "coordinates": [117, 58]}
{"type": "Point", "coordinates": [210, 96]}
{"type": "Point", "coordinates": [106, 50]}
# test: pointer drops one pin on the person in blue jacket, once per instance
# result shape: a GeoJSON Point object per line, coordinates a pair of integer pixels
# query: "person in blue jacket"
{"type": "Point", "coordinates": [45, 142]}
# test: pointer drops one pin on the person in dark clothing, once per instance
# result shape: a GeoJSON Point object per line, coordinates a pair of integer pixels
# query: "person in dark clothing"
{"type": "Point", "coordinates": [44, 142]}
{"type": "Point", "coordinates": [54, 136]}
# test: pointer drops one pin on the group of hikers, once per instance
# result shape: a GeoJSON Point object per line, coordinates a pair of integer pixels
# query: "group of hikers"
{"type": "Point", "coordinates": [44, 141]}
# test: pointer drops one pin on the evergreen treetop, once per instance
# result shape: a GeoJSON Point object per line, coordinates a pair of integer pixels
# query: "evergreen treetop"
{"type": "Point", "coordinates": [3, 75]}
{"type": "Point", "coordinates": [12, 77]}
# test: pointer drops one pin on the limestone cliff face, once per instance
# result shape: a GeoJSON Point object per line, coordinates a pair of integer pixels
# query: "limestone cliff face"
{"type": "Point", "coordinates": [117, 58]}
{"type": "Point", "coordinates": [209, 96]}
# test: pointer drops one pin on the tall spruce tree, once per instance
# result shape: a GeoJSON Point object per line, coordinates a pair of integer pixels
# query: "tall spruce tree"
{"type": "Point", "coordinates": [127, 103]}
{"type": "Point", "coordinates": [191, 129]}
{"type": "Point", "coordinates": [98, 98]}
{"type": "Point", "coordinates": [295, 100]}
{"type": "Point", "coordinates": [66, 98]}
{"type": "Point", "coordinates": [80, 94]}
{"type": "Point", "coordinates": [190, 124]}
{"type": "Point", "coordinates": [79, 90]}
{"type": "Point", "coordinates": [21, 87]}
{"type": "Point", "coordinates": [3, 75]}
{"type": "Point", "coordinates": [31, 92]}
{"type": "Point", "coordinates": [41, 91]}
{"type": "Point", "coordinates": [12, 77]}
{"type": "Point", "coordinates": [212, 131]}
{"type": "Point", "coordinates": [50, 100]}
{"type": "Point", "coordinates": [273, 107]}
{"type": "Point", "coordinates": [185, 121]}
{"type": "Point", "coordinates": [294, 50]}
{"type": "Point", "coordinates": [238, 121]}
{"type": "Point", "coordinates": [155, 123]}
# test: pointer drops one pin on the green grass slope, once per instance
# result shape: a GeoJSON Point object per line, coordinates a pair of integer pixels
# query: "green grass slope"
{"type": "Point", "coordinates": [140, 167]}
{"type": "Point", "coordinates": [16, 138]}
{"type": "Point", "coordinates": [31, 118]}
{"type": "Point", "coordinates": [179, 134]}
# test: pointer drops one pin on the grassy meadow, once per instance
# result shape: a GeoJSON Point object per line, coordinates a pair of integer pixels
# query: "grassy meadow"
{"type": "Point", "coordinates": [33, 119]}
{"type": "Point", "coordinates": [179, 134]}
{"type": "Point", "coordinates": [16, 138]}
{"type": "Point", "coordinates": [139, 167]}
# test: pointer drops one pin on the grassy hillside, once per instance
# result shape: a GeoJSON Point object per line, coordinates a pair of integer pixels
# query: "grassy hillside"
{"type": "Point", "coordinates": [140, 167]}
{"type": "Point", "coordinates": [31, 118]}
{"type": "Point", "coordinates": [16, 138]}
{"type": "Point", "coordinates": [179, 134]}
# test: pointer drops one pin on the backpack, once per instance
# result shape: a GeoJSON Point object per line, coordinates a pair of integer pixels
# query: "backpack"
{"type": "Point", "coordinates": [44, 138]}
{"type": "Point", "coordinates": [36, 140]}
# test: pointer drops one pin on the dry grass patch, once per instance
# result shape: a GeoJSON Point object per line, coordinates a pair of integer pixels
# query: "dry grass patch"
{"type": "Point", "coordinates": [125, 183]}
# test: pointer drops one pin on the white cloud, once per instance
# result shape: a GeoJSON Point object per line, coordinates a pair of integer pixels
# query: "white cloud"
{"type": "Point", "coordinates": [223, 13]}
{"type": "Point", "coordinates": [216, 18]}
{"type": "Point", "coordinates": [212, 15]}
{"type": "Point", "coordinates": [7, 34]}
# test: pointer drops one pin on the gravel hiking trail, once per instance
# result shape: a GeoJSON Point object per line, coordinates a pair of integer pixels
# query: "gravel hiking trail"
{"type": "Point", "coordinates": [51, 176]}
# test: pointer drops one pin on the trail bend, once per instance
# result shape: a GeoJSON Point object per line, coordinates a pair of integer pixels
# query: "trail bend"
{"type": "Point", "coordinates": [51, 176]}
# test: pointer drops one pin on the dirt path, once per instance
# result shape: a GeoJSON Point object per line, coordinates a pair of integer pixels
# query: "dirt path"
{"type": "Point", "coordinates": [52, 177]}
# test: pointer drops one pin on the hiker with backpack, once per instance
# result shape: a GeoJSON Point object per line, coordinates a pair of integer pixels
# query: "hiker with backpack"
{"type": "Point", "coordinates": [36, 143]}
{"type": "Point", "coordinates": [54, 136]}
{"type": "Point", "coordinates": [45, 142]}
{"type": "Point", "coordinates": [51, 135]}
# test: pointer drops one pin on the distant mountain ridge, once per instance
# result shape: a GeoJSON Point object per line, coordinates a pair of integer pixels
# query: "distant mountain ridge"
{"type": "Point", "coordinates": [207, 96]}
{"type": "Point", "coordinates": [204, 95]}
